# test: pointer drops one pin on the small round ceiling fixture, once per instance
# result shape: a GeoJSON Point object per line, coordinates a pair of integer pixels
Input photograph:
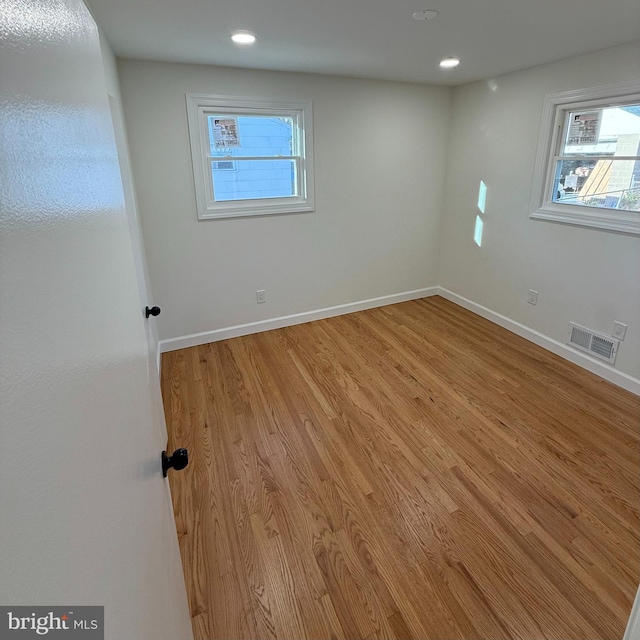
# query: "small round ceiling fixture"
{"type": "Point", "coordinates": [425, 15]}
{"type": "Point", "coordinates": [449, 63]}
{"type": "Point", "coordinates": [243, 37]}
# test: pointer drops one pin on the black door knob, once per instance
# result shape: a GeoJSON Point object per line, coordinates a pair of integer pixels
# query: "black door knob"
{"type": "Point", "coordinates": [152, 311]}
{"type": "Point", "coordinates": [178, 460]}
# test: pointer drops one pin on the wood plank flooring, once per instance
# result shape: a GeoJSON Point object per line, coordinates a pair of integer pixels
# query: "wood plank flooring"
{"type": "Point", "coordinates": [408, 472]}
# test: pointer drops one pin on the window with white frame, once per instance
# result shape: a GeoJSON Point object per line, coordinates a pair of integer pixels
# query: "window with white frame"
{"type": "Point", "coordinates": [588, 163]}
{"type": "Point", "coordinates": [250, 156]}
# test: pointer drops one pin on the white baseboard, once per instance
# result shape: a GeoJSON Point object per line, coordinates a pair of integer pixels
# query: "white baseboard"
{"type": "Point", "coordinates": [225, 333]}
{"type": "Point", "coordinates": [582, 360]}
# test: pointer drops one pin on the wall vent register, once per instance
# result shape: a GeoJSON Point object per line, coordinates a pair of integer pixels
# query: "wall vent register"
{"type": "Point", "coordinates": [593, 343]}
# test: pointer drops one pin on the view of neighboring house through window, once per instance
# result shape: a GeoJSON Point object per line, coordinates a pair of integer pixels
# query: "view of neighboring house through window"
{"type": "Point", "coordinates": [254, 140]}
{"type": "Point", "coordinates": [598, 164]}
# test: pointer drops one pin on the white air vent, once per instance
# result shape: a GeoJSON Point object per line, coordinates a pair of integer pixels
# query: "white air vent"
{"type": "Point", "coordinates": [596, 344]}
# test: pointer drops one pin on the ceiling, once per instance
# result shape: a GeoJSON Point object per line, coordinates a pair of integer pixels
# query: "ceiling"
{"type": "Point", "coordinates": [368, 38]}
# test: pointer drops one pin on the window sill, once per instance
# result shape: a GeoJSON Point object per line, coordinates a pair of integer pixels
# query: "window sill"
{"type": "Point", "coordinates": [608, 219]}
{"type": "Point", "coordinates": [237, 210]}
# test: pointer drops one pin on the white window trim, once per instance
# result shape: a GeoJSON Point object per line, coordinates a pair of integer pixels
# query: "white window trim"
{"type": "Point", "coordinates": [542, 206]}
{"type": "Point", "coordinates": [198, 105]}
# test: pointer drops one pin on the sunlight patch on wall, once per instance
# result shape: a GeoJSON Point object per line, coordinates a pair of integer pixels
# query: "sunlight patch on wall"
{"type": "Point", "coordinates": [482, 203]}
{"type": "Point", "coordinates": [477, 234]}
{"type": "Point", "coordinates": [482, 196]}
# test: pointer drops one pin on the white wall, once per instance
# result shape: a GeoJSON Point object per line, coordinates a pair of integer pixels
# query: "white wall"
{"type": "Point", "coordinates": [368, 237]}
{"type": "Point", "coordinates": [587, 276]}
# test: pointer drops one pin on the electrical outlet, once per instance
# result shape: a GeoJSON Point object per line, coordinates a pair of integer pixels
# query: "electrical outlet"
{"type": "Point", "coordinates": [532, 297]}
{"type": "Point", "coordinates": [619, 330]}
{"type": "Point", "coordinates": [261, 296]}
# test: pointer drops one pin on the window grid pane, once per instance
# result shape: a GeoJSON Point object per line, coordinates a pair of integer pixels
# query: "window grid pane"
{"type": "Point", "coordinates": [254, 135]}
{"type": "Point", "coordinates": [255, 179]}
{"type": "Point", "coordinates": [600, 182]}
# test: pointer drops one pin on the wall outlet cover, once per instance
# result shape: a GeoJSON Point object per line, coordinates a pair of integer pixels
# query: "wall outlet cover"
{"type": "Point", "coordinates": [619, 330]}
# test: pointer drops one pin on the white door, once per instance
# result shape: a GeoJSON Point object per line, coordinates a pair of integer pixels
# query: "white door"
{"type": "Point", "coordinates": [135, 230]}
{"type": "Point", "coordinates": [85, 515]}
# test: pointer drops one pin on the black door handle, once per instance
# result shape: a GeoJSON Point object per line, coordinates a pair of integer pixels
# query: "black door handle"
{"type": "Point", "coordinates": [153, 311]}
{"type": "Point", "coordinates": [178, 460]}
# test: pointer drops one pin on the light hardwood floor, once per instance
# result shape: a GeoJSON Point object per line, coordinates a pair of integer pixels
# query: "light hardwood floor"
{"type": "Point", "coordinates": [409, 472]}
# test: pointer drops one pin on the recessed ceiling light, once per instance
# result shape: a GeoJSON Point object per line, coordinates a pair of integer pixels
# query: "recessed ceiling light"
{"type": "Point", "coordinates": [243, 37]}
{"type": "Point", "coordinates": [449, 63]}
{"type": "Point", "coordinates": [425, 15]}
